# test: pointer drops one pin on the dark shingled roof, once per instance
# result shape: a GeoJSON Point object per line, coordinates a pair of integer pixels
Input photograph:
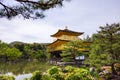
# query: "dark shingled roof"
{"type": "Point", "coordinates": [67, 32]}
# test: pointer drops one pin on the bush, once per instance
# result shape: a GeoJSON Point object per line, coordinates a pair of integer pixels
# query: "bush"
{"type": "Point", "coordinates": [37, 75]}
{"type": "Point", "coordinates": [69, 69]}
{"type": "Point", "coordinates": [54, 70]}
{"type": "Point", "coordinates": [79, 74]}
{"type": "Point", "coordinates": [58, 76]}
{"type": "Point", "coordinates": [47, 77]}
{"type": "Point", "coordinates": [6, 77]}
{"type": "Point", "coordinates": [55, 73]}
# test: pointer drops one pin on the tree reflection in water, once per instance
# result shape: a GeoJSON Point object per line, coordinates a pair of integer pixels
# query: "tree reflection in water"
{"type": "Point", "coordinates": [23, 68]}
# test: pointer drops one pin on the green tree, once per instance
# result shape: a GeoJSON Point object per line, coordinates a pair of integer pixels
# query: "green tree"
{"type": "Point", "coordinates": [9, 53]}
{"type": "Point", "coordinates": [106, 46]}
{"type": "Point", "coordinates": [28, 8]}
{"type": "Point", "coordinates": [22, 47]}
{"type": "Point", "coordinates": [36, 51]}
{"type": "Point", "coordinates": [30, 51]}
{"type": "Point", "coordinates": [3, 47]}
{"type": "Point", "coordinates": [12, 53]}
{"type": "Point", "coordinates": [41, 55]}
{"type": "Point", "coordinates": [73, 49]}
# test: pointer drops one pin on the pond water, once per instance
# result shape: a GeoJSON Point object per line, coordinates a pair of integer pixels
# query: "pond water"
{"type": "Point", "coordinates": [23, 69]}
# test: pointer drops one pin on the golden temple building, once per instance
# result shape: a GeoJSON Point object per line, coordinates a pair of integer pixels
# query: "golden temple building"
{"type": "Point", "coordinates": [62, 38]}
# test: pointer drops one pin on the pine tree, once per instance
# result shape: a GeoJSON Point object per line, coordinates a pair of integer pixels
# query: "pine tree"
{"type": "Point", "coordinates": [106, 46]}
{"type": "Point", "coordinates": [28, 8]}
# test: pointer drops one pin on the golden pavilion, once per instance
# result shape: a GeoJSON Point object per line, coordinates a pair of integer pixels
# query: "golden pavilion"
{"type": "Point", "coordinates": [62, 37]}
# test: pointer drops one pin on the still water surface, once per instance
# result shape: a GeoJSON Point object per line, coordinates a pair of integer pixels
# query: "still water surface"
{"type": "Point", "coordinates": [23, 69]}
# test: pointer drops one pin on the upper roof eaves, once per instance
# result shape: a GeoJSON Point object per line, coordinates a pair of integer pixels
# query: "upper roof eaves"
{"type": "Point", "coordinates": [66, 31]}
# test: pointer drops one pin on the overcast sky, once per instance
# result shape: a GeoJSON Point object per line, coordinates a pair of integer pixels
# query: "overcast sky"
{"type": "Point", "coordinates": [79, 15]}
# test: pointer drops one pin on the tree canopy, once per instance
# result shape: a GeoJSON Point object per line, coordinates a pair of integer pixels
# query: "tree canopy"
{"type": "Point", "coordinates": [28, 8]}
{"type": "Point", "coordinates": [73, 49]}
{"type": "Point", "coordinates": [8, 53]}
{"type": "Point", "coordinates": [19, 50]}
{"type": "Point", "coordinates": [105, 49]}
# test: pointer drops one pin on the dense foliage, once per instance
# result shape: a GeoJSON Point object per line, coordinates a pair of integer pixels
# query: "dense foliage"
{"type": "Point", "coordinates": [7, 53]}
{"type": "Point", "coordinates": [69, 73]}
{"type": "Point", "coordinates": [105, 49]}
{"type": "Point", "coordinates": [6, 77]}
{"type": "Point", "coordinates": [27, 8]}
{"type": "Point", "coordinates": [73, 49]}
{"type": "Point", "coordinates": [19, 50]}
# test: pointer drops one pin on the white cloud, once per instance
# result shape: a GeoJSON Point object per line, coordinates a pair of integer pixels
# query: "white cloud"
{"type": "Point", "coordinates": [79, 15]}
{"type": "Point", "coordinates": [26, 30]}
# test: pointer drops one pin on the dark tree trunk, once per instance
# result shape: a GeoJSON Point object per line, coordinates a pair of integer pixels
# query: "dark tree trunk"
{"type": "Point", "coordinates": [113, 69]}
